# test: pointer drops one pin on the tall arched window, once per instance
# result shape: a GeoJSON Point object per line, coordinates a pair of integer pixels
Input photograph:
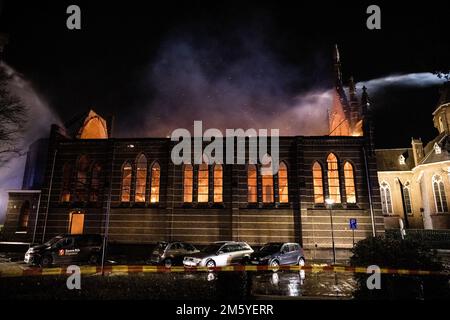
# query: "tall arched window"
{"type": "Point", "coordinates": [66, 181]}
{"type": "Point", "coordinates": [267, 181]}
{"type": "Point", "coordinates": [126, 182]}
{"type": "Point", "coordinates": [188, 182]}
{"type": "Point", "coordinates": [333, 179]}
{"type": "Point", "coordinates": [24, 216]}
{"type": "Point", "coordinates": [439, 194]}
{"type": "Point", "coordinates": [349, 177]}
{"type": "Point", "coordinates": [407, 198]}
{"type": "Point", "coordinates": [82, 178]}
{"type": "Point", "coordinates": [155, 185]}
{"type": "Point", "coordinates": [141, 178]}
{"type": "Point", "coordinates": [252, 184]}
{"type": "Point", "coordinates": [386, 202]}
{"type": "Point", "coordinates": [283, 192]}
{"type": "Point", "coordinates": [318, 183]}
{"type": "Point", "coordinates": [203, 183]}
{"type": "Point", "coordinates": [95, 182]}
{"type": "Point", "coordinates": [218, 183]}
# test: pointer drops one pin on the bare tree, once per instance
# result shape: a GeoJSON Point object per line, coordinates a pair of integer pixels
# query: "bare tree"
{"type": "Point", "coordinates": [443, 74]}
{"type": "Point", "coordinates": [13, 116]}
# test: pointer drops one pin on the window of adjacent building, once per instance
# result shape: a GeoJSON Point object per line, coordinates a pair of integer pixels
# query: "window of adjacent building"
{"type": "Point", "coordinates": [333, 179]}
{"type": "Point", "coordinates": [203, 183]}
{"type": "Point", "coordinates": [349, 177]}
{"type": "Point", "coordinates": [318, 183]}
{"type": "Point", "coordinates": [24, 216]}
{"type": "Point", "coordinates": [126, 182]}
{"type": "Point", "coordinates": [76, 223]}
{"type": "Point", "coordinates": [440, 198]}
{"type": "Point", "coordinates": [95, 182]}
{"type": "Point", "coordinates": [407, 198]}
{"type": "Point", "coordinates": [82, 178]}
{"type": "Point", "coordinates": [252, 184]}
{"type": "Point", "coordinates": [386, 202]}
{"type": "Point", "coordinates": [155, 185]}
{"type": "Point", "coordinates": [267, 184]}
{"type": "Point", "coordinates": [141, 178]}
{"type": "Point", "coordinates": [188, 182]}
{"type": "Point", "coordinates": [283, 183]}
{"type": "Point", "coordinates": [401, 159]}
{"type": "Point", "coordinates": [218, 183]}
{"type": "Point", "coordinates": [437, 149]}
{"type": "Point", "coordinates": [66, 181]}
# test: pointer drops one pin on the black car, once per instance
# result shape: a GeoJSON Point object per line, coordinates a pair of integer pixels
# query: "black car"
{"type": "Point", "coordinates": [171, 253]}
{"type": "Point", "coordinates": [276, 254]}
{"type": "Point", "coordinates": [66, 249]}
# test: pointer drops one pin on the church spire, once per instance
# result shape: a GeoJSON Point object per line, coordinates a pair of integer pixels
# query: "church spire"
{"type": "Point", "coordinates": [337, 66]}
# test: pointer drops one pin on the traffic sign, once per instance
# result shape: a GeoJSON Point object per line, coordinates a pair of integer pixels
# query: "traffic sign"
{"type": "Point", "coordinates": [353, 223]}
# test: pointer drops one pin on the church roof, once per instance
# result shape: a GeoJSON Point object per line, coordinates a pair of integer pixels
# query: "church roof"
{"type": "Point", "coordinates": [389, 159]}
{"type": "Point", "coordinates": [442, 141]}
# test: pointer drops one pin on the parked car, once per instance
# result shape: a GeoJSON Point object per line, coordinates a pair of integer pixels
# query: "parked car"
{"type": "Point", "coordinates": [66, 249]}
{"type": "Point", "coordinates": [171, 253]}
{"type": "Point", "coordinates": [219, 254]}
{"type": "Point", "coordinates": [276, 254]}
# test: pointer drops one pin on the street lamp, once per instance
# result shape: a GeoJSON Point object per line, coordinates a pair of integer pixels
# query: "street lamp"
{"type": "Point", "coordinates": [330, 203]}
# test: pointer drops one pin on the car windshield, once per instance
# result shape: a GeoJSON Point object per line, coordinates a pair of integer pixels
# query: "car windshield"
{"type": "Point", "coordinates": [271, 248]}
{"type": "Point", "coordinates": [52, 241]}
{"type": "Point", "coordinates": [212, 248]}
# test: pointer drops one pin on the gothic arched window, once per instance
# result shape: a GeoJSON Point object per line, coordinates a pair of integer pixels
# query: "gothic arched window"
{"type": "Point", "coordinates": [66, 182]}
{"type": "Point", "coordinates": [155, 184]}
{"type": "Point", "coordinates": [95, 182]}
{"type": "Point", "coordinates": [141, 178]}
{"type": "Point", "coordinates": [267, 180]}
{"type": "Point", "coordinates": [82, 178]}
{"type": "Point", "coordinates": [440, 198]}
{"type": "Point", "coordinates": [203, 183]}
{"type": "Point", "coordinates": [283, 191]}
{"type": "Point", "coordinates": [334, 192]}
{"type": "Point", "coordinates": [349, 177]}
{"type": "Point", "coordinates": [126, 182]}
{"type": "Point", "coordinates": [24, 216]}
{"type": "Point", "coordinates": [407, 198]}
{"type": "Point", "coordinates": [318, 182]}
{"type": "Point", "coordinates": [386, 202]}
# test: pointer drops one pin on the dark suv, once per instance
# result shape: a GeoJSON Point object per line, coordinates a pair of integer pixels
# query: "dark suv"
{"type": "Point", "coordinates": [66, 249]}
{"type": "Point", "coordinates": [171, 253]}
{"type": "Point", "coordinates": [275, 254]}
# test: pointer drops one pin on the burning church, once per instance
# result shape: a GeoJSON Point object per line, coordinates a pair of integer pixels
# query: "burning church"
{"type": "Point", "coordinates": [83, 179]}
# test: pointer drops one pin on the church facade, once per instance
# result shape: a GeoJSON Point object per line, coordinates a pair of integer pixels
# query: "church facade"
{"type": "Point", "coordinates": [91, 182]}
{"type": "Point", "coordinates": [415, 182]}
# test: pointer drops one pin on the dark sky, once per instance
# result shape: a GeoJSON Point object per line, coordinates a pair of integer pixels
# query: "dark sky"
{"type": "Point", "coordinates": [154, 65]}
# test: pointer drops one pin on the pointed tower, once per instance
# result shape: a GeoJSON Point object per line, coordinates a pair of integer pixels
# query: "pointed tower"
{"type": "Point", "coordinates": [339, 113]}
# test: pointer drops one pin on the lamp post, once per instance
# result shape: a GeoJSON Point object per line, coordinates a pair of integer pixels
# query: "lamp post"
{"type": "Point", "coordinates": [330, 203]}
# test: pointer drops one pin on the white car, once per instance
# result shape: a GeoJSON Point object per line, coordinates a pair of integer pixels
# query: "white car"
{"type": "Point", "coordinates": [219, 254]}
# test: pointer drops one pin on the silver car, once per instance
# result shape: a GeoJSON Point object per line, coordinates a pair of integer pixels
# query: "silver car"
{"type": "Point", "coordinates": [219, 254]}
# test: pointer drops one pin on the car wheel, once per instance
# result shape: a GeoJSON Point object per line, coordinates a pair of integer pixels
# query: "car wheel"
{"type": "Point", "coordinates": [211, 264]}
{"type": "Point", "coordinates": [46, 261]}
{"type": "Point", "coordinates": [301, 262]}
{"type": "Point", "coordinates": [93, 259]}
{"type": "Point", "coordinates": [167, 263]}
{"type": "Point", "coordinates": [274, 264]}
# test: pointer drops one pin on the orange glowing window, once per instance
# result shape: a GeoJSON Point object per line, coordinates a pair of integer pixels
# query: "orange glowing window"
{"type": "Point", "coordinates": [141, 178]}
{"type": "Point", "coordinates": [283, 183]}
{"type": "Point", "coordinates": [156, 177]}
{"type": "Point", "coordinates": [66, 180]}
{"type": "Point", "coordinates": [318, 183]}
{"type": "Point", "coordinates": [24, 216]}
{"type": "Point", "coordinates": [188, 182]}
{"type": "Point", "coordinates": [82, 178]}
{"type": "Point", "coordinates": [252, 184]}
{"type": "Point", "coordinates": [76, 224]}
{"type": "Point", "coordinates": [218, 183]}
{"type": "Point", "coordinates": [126, 182]}
{"type": "Point", "coordinates": [267, 183]}
{"type": "Point", "coordinates": [333, 179]}
{"type": "Point", "coordinates": [349, 177]}
{"type": "Point", "coordinates": [203, 181]}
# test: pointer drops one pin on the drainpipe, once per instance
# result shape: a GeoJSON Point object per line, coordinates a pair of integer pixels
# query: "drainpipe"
{"type": "Point", "coordinates": [49, 193]}
{"type": "Point", "coordinates": [369, 189]}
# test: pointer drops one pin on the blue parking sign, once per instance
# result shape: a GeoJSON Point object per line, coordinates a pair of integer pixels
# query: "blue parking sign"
{"type": "Point", "coordinates": [353, 224]}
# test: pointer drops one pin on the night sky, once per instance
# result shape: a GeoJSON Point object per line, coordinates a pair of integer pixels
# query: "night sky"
{"type": "Point", "coordinates": [229, 63]}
